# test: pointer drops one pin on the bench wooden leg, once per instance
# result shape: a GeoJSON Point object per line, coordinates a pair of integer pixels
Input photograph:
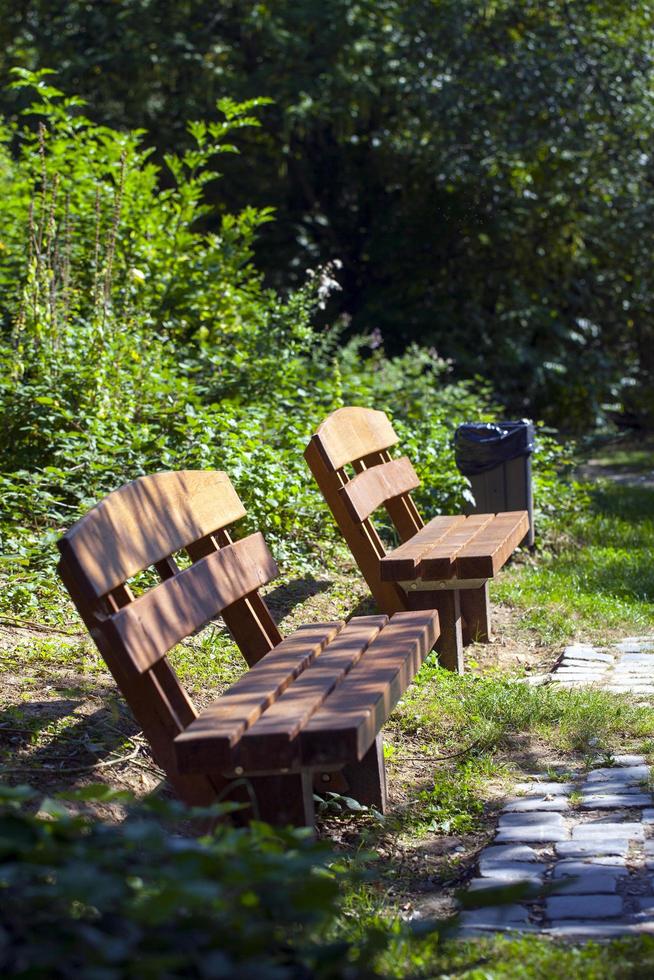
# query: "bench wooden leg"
{"type": "Point", "coordinates": [367, 779]}
{"type": "Point", "coordinates": [450, 642]}
{"type": "Point", "coordinates": [283, 800]}
{"type": "Point", "coordinates": [475, 607]}
{"type": "Point", "coordinates": [278, 800]}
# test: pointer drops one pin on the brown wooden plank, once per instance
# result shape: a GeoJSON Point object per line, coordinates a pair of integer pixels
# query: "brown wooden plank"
{"type": "Point", "coordinates": [346, 726]}
{"type": "Point", "coordinates": [144, 522]}
{"type": "Point", "coordinates": [248, 619]}
{"type": "Point", "coordinates": [487, 552]}
{"type": "Point", "coordinates": [271, 740]}
{"type": "Point", "coordinates": [402, 563]}
{"type": "Point", "coordinates": [351, 433]}
{"type": "Point", "coordinates": [438, 562]}
{"type": "Point", "coordinates": [157, 620]}
{"type": "Point", "coordinates": [368, 490]}
{"type": "Point", "coordinates": [363, 540]}
{"type": "Point", "coordinates": [447, 602]}
{"type": "Point", "coordinates": [401, 510]}
{"type": "Point", "coordinates": [475, 610]}
{"type": "Point", "coordinates": [207, 743]}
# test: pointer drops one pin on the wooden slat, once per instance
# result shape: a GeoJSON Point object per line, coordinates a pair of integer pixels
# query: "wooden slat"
{"type": "Point", "coordinates": [489, 550]}
{"type": "Point", "coordinates": [157, 620]}
{"type": "Point", "coordinates": [402, 563]}
{"type": "Point", "coordinates": [401, 510]}
{"type": "Point", "coordinates": [363, 540]}
{"type": "Point", "coordinates": [368, 490]}
{"type": "Point", "coordinates": [351, 433]}
{"type": "Point", "coordinates": [207, 743]}
{"type": "Point", "coordinates": [272, 739]}
{"type": "Point", "coordinates": [145, 522]}
{"type": "Point", "coordinates": [346, 726]}
{"type": "Point", "coordinates": [439, 562]}
{"type": "Point", "coordinates": [248, 620]}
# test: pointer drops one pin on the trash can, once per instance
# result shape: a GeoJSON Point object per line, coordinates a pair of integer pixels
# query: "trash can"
{"type": "Point", "coordinates": [496, 458]}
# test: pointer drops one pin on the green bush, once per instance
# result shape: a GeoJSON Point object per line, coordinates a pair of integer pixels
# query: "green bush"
{"type": "Point", "coordinates": [134, 340]}
{"type": "Point", "coordinates": [85, 898]}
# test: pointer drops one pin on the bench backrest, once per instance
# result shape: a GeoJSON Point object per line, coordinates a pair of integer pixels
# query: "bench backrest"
{"type": "Point", "coordinates": [360, 438]}
{"type": "Point", "coordinates": [144, 525]}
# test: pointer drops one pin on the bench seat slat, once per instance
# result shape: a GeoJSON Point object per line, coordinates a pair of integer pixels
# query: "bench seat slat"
{"type": "Point", "coordinates": [489, 550]}
{"type": "Point", "coordinates": [273, 736]}
{"type": "Point", "coordinates": [347, 724]}
{"type": "Point", "coordinates": [439, 562]}
{"type": "Point", "coordinates": [403, 561]}
{"type": "Point", "coordinates": [206, 745]}
{"type": "Point", "coordinates": [371, 488]}
{"type": "Point", "coordinates": [151, 625]}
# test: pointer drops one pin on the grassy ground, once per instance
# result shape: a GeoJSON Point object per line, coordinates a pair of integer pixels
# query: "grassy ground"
{"type": "Point", "coordinates": [454, 745]}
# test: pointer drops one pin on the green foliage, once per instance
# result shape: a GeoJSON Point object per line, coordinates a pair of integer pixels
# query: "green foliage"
{"type": "Point", "coordinates": [483, 713]}
{"type": "Point", "coordinates": [135, 340]}
{"type": "Point", "coordinates": [81, 897]}
{"type": "Point", "coordinates": [512, 231]}
{"type": "Point", "coordinates": [599, 578]}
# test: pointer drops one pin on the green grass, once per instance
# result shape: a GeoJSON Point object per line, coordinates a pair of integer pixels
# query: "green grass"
{"type": "Point", "coordinates": [600, 581]}
{"type": "Point", "coordinates": [526, 958]}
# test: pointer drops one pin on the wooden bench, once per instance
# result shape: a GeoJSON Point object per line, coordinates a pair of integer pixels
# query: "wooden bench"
{"type": "Point", "coordinates": [442, 565]}
{"type": "Point", "coordinates": [310, 706]}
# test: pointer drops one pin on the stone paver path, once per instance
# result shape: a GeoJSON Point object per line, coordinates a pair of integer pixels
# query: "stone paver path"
{"type": "Point", "coordinates": [626, 667]}
{"type": "Point", "coordinates": [581, 851]}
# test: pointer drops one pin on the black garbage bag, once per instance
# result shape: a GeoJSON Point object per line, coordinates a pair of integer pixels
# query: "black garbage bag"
{"type": "Point", "coordinates": [481, 446]}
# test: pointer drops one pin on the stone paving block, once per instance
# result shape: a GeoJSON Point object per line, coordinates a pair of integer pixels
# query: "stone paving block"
{"type": "Point", "coordinates": [589, 930]}
{"type": "Point", "coordinates": [510, 872]}
{"type": "Point", "coordinates": [612, 786]}
{"type": "Point", "coordinates": [649, 848]}
{"type": "Point", "coordinates": [627, 774]}
{"type": "Point", "coordinates": [646, 903]}
{"type": "Point", "coordinates": [539, 803]}
{"type": "Point", "coordinates": [545, 789]}
{"type": "Point", "coordinates": [592, 848]}
{"type": "Point", "coordinates": [592, 907]}
{"type": "Point", "coordinates": [629, 760]}
{"type": "Point", "coordinates": [648, 816]}
{"type": "Point", "coordinates": [647, 659]}
{"type": "Point", "coordinates": [596, 665]}
{"type": "Point", "coordinates": [523, 819]}
{"type": "Point", "coordinates": [614, 801]}
{"type": "Point", "coordinates": [591, 884]}
{"type": "Point", "coordinates": [563, 869]}
{"type": "Point", "coordinates": [583, 651]}
{"type": "Point", "coordinates": [502, 916]}
{"type": "Point", "coordinates": [521, 879]}
{"type": "Point", "coordinates": [606, 831]}
{"type": "Point", "coordinates": [494, 854]}
{"type": "Point", "coordinates": [533, 834]}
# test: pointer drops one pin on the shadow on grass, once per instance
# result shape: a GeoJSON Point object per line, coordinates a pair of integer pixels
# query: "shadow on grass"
{"type": "Point", "coordinates": [68, 753]}
{"type": "Point", "coordinates": [284, 598]}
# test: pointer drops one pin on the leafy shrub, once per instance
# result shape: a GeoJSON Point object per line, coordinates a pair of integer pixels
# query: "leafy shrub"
{"type": "Point", "coordinates": [134, 340]}
{"type": "Point", "coordinates": [85, 898]}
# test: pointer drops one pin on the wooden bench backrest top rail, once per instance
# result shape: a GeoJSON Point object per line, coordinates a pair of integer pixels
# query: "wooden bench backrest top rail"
{"type": "Point", "coordinates": [146, 522]}
{"type": "Point", "coordinates": [345, 683]}
{"type": "Point", "coordinates": [353, 433]}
